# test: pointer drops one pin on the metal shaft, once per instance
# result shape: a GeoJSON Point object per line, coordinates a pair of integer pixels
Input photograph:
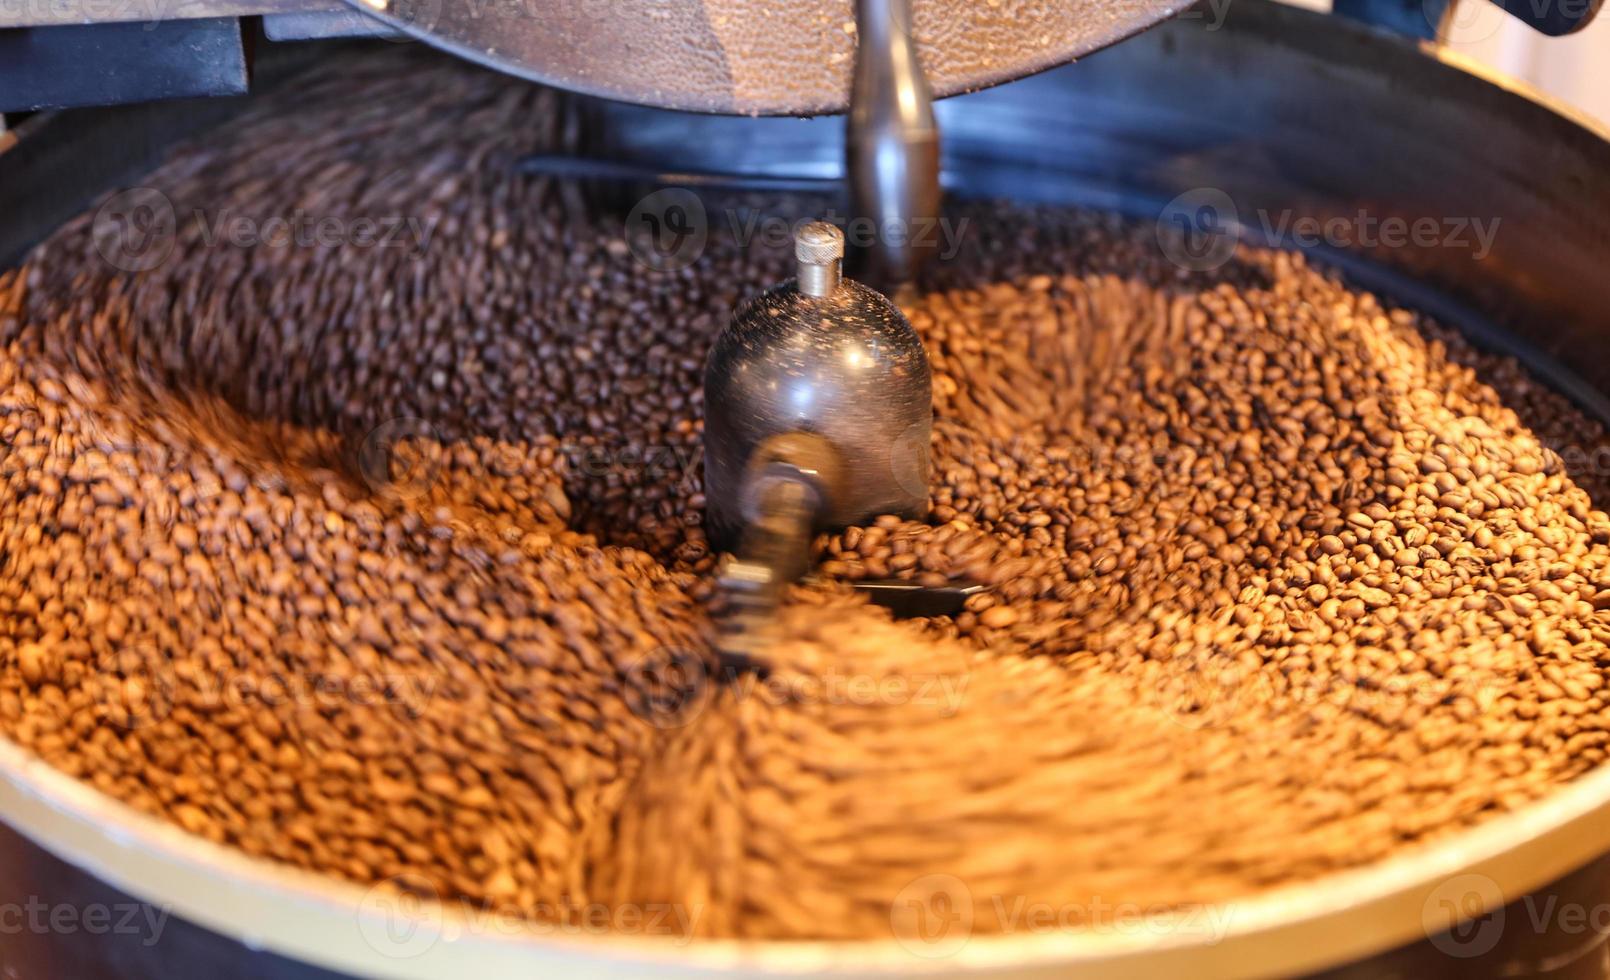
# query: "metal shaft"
{"type": "Point", "coordinates": [891, 148]}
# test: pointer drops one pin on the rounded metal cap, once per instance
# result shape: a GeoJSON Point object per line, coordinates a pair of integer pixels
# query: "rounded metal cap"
{"type": "Point", "coordinates": [796, 374]}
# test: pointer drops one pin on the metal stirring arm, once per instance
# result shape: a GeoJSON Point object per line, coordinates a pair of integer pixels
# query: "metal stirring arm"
{"type": "Point", "coordinates": [789, 485]}
{"type": "Point", "coordinates": [776, 551]}
{"type": "Point", "coordinates": [787, 494]}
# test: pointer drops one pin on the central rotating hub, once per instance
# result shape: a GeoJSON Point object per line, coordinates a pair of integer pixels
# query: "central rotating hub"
{"type": "Point", "coordinates": [824, 356]}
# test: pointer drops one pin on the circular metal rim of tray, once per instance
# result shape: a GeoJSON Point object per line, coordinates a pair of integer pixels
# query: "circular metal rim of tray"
{"type": "Point", "coordinates": [1338, 918]}
{"type": "Point", "coordinates": [332, 924]}
{"type": "Point", "coordinates": [596, 56]}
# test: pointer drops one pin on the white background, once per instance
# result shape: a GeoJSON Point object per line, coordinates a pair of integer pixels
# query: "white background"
{"type": "Point", "coordinates": [1575, 69]}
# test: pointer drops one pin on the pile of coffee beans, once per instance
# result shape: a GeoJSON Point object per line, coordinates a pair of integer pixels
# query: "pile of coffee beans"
{"type": "Point", "coordinates": [350, 515]}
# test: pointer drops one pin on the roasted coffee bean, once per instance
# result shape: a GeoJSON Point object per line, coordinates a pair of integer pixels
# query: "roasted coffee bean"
{"type": "Point", "coordinates": [387, 561]}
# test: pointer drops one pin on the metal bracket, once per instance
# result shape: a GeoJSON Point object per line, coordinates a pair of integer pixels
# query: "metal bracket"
{"type": "Point", "coordinates": [107, 64]}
